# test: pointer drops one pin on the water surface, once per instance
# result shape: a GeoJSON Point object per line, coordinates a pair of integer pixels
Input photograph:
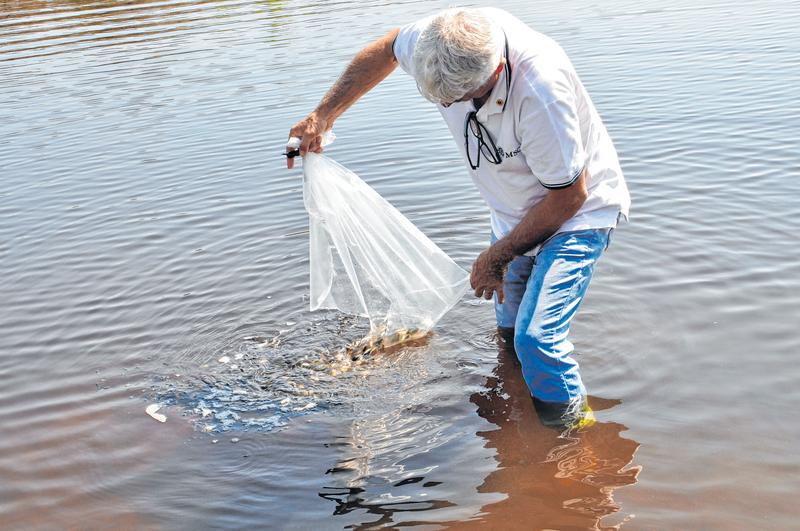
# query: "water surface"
{"type": "Point", "coordinates": [149, 229]}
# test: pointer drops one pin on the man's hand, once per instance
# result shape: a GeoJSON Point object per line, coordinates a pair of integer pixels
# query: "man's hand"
{"type": "Point", "coordinates": [309, 130]}
{"type": "Point", "coordinates": [489, 269]}
{"type": "Point", "coordinates": [368, 68]}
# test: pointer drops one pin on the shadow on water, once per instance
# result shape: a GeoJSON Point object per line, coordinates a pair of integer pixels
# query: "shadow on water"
{"type": "Point", "coordinates": [542, 479]}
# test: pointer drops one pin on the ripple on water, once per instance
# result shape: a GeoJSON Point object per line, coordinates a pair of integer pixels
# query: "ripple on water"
{"type": "Point", "coordinates": [259, 382]}
{"type": "Point", "coordinates": [483, 340]}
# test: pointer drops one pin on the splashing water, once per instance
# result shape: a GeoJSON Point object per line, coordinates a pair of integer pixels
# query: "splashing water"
{"type": "Point", "coordinates": [260, 382]}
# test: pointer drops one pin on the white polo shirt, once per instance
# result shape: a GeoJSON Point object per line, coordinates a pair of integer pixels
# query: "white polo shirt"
{"type": "Point", "coordinates": [548, 132]}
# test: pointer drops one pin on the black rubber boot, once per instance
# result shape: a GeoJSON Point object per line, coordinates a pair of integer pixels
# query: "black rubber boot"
{"type": "Point", "coordinates": [564, 415]}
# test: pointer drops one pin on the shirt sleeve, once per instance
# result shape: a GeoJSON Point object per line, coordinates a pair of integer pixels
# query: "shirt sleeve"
{"type": "Point", "coordinates": [550, 131]}
{"type": "Point", "coordinates": [406, 40]}
{"type": "Point", "coordinates": [403, 46]}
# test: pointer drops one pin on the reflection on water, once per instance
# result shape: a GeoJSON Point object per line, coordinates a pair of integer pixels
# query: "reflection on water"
{"type": "Point", "coordinates": [543, 478]}
{"type": "Point", "coordinates": [381, 513]}
{"type": "Point", "coordinates": [552, 480]}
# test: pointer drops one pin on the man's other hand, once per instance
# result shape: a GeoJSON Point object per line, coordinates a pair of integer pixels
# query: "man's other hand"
{"type": "Point", "coordinates": [489, 269]}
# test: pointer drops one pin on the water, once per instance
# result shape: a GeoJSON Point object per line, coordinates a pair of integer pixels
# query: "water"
{"type": "Point", "coordinates": [148, 229]}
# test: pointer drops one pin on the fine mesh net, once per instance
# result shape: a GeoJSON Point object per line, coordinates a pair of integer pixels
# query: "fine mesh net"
{"type": "Point", "coordinates": [367, 259]}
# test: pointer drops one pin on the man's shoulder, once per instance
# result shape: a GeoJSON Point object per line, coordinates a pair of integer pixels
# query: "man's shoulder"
{"type": "Point", "coordinates": [539, 63]}
{"type": "Point", "coordinates": [406, 40]}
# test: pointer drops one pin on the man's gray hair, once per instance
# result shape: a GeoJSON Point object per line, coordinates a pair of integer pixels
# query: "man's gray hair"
{"type": "Point", "coordinates": [456, 54]}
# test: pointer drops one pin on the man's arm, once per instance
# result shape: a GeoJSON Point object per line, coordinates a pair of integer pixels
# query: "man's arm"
{"type": "Point", "coordinates": [541, 222]}
{"type": "Point", "coordinates": [369, 67]}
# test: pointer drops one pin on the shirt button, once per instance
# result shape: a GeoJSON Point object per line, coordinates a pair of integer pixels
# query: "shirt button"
{"type": "Point", "coordinates": [499, 101]}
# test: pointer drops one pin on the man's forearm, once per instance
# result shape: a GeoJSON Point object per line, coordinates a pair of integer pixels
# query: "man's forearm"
{"type": "Point", "coordinates": [541, 222]}
{"type": "Point", "coordinates": [369, 67]}
{"type": "Point", "coordinates": [544, 219]}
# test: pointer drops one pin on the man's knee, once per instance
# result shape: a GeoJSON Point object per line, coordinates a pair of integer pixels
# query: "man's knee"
{"type": "Point", "coordinates": [528, 335]}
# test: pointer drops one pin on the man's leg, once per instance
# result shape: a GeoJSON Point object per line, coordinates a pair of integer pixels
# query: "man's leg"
{"type": "Point", "coordinates": [557, 284]}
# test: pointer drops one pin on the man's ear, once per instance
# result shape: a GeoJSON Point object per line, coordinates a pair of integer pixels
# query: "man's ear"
{"type": "Point", "coordinates": [501, 66]}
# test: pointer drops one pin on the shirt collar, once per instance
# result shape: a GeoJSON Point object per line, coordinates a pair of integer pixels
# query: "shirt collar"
{"type": "Point", "coordinates": [498, 99]}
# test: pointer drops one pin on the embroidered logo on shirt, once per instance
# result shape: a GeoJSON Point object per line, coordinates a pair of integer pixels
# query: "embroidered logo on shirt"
{"type": "Point", "coordinates": [501, 153]}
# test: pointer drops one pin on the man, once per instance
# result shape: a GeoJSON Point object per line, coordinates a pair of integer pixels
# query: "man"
{"type": "Point", "coordinates": [539, 154]}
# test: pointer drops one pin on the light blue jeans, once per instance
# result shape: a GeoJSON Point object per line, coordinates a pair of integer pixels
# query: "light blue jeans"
{"type": "Point", "coordinates": [542, 295]}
